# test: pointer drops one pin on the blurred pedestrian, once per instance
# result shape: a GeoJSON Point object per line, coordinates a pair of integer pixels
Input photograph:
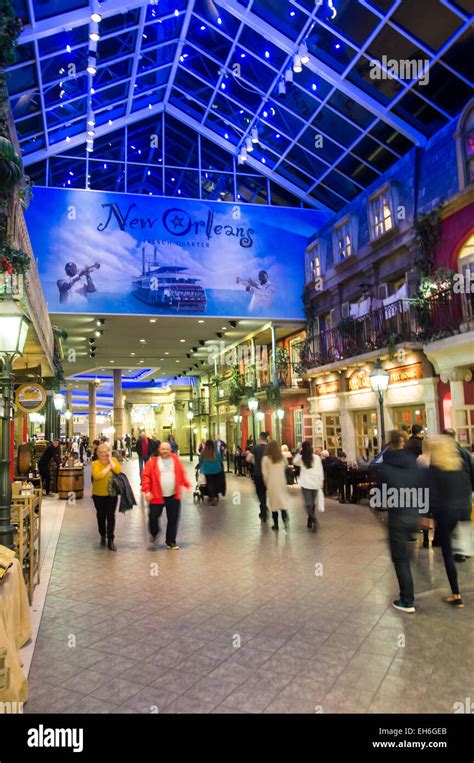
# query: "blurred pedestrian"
{"type": "Point", "coordinates": [254, 457]}
{"type": "Point", "coordinates": [273, 474]}
{"type": "Point", "coordinates": [311, 480]}
{"type": "Point", "coordinates": [210, 464]}
{"type": "Point", "coordinates": [163, 480]}
{"type": "Point", "coordinates": [105, 504]}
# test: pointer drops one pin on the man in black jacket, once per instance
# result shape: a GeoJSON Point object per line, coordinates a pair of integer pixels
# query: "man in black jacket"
{"type": "Point", "coordinates": [461, 537]}
{"type": "Point", "coordinates": [397, 477]}
{"type": "Point", "coordinates": [52, 453]}
{"type": "Point", "coordinates": [258, 452]}
{"type": "Point", "coordinates": [415, 443]}
{"type": "Point", "coordinates": [145, 450]}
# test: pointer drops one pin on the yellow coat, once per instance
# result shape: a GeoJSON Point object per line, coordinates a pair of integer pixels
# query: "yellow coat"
{"type": "Point", "coordinates": [100, 485]}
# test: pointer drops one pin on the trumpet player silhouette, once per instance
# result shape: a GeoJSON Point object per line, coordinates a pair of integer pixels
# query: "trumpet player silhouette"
{"type": "Point", "coordinates": [262, 292]}
{"type": "Point", "coordinates": [65, 286]}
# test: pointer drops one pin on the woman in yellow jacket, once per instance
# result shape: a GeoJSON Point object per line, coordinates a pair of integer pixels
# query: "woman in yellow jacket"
{"type": "Point", "coordinates": [104, 503]}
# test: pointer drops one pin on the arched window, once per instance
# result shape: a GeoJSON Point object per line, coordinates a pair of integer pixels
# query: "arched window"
{"type": "Point", "coordinates": [465, 146]}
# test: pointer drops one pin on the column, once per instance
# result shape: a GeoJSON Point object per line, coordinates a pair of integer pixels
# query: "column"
{"type": "Point", "coordinates": [69, 422]}
{"type": "Point", "coordinates": [51, 428]}
{"type": "Point", "coordinates": [92, 412]}
{"type": "Point", "coordinates": [347, 428]}
{"type": "Point", "coordinates": [118, 403]}
{"type": "Point", "coordinates": [275, 382]}
{"type": "Point", "coordinates": [456, 378]}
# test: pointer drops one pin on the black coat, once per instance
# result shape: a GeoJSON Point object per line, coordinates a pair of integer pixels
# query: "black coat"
{"type": "Point", "coordinates": [450, 493]}
{"type": "Point", "coordinates": [399, 470]}
{"type": "Point", "coordinates": [51, 454]}
{"type": "Point", "coordinates": [415, 444]}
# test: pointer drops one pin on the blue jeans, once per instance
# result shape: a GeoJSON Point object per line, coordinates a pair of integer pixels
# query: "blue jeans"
{"type": "Point", "coordinates": [400, 529]}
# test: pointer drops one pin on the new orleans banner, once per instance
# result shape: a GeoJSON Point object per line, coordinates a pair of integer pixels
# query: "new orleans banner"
{"type": "Point", "coordinates": [112, 253]}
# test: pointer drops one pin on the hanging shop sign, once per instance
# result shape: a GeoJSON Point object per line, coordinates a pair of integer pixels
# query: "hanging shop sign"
{"type": "Point", "coordinates": [406, 373]}
{"type": "Point", "coordinates": [328, 388]}
{"type": "Point", "coordinates": [30, 398]}
{"type": "Point", "coordinates": [359, 380]}
{"type": "Point", "coordinates": [121, 254]}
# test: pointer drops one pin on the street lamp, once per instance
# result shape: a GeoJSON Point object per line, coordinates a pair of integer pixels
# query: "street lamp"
{"type": "Point", "coordinates": [379, 379]}
{"type": "Point", "coordinates": [253, 405]}
{"type": "Point", "coordinates": [13, 330]}
{"type": "Point", "coordinates": [190, 416]}
{"type": "Point", "coordinates": [237, 419]}
{"type": "Point", "coordinates": [58, 401]}
{"type": "Point", "coordinates": [260, 416]}
{"type": "Point", "coordinates": [280, 414]}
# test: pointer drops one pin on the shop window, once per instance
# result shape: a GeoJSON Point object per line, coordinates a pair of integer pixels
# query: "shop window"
{"type": "Point", "coordinates": [367, 437]}
{"type": "Point", "coordinates": [465, 146]}
{"type": "Point", "coordinates": [332, 433]}
{"type": "Point", "coordinates": [298, 423]}
{"type": "Point", "coordinates": [381, 213]}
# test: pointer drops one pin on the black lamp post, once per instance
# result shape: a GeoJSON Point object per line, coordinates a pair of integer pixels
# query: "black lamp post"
{"type": "Point", "coordinates": [13, 330]}
{"type": "Point", "coordinates": [190, 416]}
{"type": "Point", "coordinates": [379, 379]}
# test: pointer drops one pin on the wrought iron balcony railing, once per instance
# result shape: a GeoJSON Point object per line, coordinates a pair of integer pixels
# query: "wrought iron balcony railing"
{"type": "Point", "coordinates": [402, 321]}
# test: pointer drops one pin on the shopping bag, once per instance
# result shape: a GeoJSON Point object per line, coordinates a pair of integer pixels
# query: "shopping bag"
{"type": "Point", "coordinates": [320, 501]}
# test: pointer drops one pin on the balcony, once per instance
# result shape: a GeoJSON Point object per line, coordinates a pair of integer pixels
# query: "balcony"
{"type": "Point", "coordinates": [403, 321]}
{"type": "Point", "coordinates": [289, 377]}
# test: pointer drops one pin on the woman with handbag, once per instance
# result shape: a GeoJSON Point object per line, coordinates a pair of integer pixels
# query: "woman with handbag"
{"type": "Point", "coordinates": [105, 504]}
{"type": "Point", "coordinates": [311, 480]}
{"type": "Point", "coordinates": [274, 477]}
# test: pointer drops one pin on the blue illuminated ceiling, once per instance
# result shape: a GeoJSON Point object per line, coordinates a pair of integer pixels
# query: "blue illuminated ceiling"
{"type": "Point", "coordinates": [197, 76]}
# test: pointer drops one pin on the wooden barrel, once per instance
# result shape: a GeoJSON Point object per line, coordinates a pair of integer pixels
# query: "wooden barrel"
{"type": "Point", "coordinates": [24, 458]}
{"type": "Point", "coordinates": [71, 480]}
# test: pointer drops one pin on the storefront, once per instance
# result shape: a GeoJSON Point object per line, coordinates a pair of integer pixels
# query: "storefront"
{"type": "Point", "coordinates": [345, 410]}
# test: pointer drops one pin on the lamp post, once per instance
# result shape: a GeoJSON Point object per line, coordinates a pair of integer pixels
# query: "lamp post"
{"type": "Point", "coordinates": [190, 416]}
{"type": "Point", "coordinates": [13, 330]}
{"type": "Point", "coordinates": [58, 402]}
{"type": "Point", "coordinates": [253, 405]}
{"type": "Point", "coordinates": [379, 379]}
{"type": "Point", "coordinates": [237, 419]}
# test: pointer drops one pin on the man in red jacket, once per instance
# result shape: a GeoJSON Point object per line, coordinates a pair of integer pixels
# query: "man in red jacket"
{"type": "Point", "coordinates": [163, 479]}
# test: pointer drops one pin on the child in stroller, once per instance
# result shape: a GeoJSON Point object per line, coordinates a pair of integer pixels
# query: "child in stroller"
{"type": "Point", "coordinates": [200, 491]}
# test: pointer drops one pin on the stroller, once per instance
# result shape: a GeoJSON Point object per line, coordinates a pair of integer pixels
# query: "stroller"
{"type": "Point", "coordinates": [200, 490]}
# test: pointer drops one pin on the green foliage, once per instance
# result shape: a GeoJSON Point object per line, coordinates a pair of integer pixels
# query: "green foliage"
{"type": "Point", "coordinates": [427, 235]}
{"type": "Point", "coordinates": [10, 28]}
{"type": "Point", "coordinates": [12, 260]}
{"type": "Point", "coordinates": [273, 395]}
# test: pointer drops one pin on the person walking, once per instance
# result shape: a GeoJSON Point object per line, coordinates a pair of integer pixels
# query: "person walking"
{"type": "Point", "coordinates": [415, 442]}
{"type": "Point", "coordinates": [102, 469]}
{"type": "Point", "coordinates": [461, 538]}
{"type": "Point", "coordinates": [255, 456]}
{"type": "Point", "coordinates": [127, 442]}
{"type": "Point", "coordinates": [163, 480]}
{"type": "Point", "coordinates": [210, 464]}
{"type": "Point", "coordinates": [173, 444]}
{"type": "Point", "coordinates": [311, 480]}
{"type": "Point", "coordinates": [450, 492]}
{"type": "Point", "coordinates": [398, 472]}
{"type": "Point", "coordinates": [273, 474]}
{"type": "Point", "coordinates": [144, 449]}
{"type": "Point", "coordinates": [52, 453]}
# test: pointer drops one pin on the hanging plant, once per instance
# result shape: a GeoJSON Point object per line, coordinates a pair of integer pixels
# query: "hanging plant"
{"type": "Point", "coordinates": [427, 235]}
{"type": "Point", "coordinates": [11, 166]}
{"type": "Point", "coordinates": [13, 260]}
{"type": "Point", "coordinates": [273, 395]}
{"type": "Point", "coordinates": [10, 29]}
{"type": "Point", "coordinates": [216, 379]}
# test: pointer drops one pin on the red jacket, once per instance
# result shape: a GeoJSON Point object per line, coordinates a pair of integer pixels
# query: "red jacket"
{"type": "Point", "coordinates": [151, 479]}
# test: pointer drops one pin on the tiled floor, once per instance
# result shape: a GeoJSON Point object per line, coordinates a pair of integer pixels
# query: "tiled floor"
{"type": "Point", "coordinates": [246, 620]}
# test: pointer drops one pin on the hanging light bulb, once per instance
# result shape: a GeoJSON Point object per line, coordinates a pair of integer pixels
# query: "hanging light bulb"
{"type": "Point", "coordinates": [281, 88]}
{"type": "Point", "coordinates": [94, 31]}
{"type": "Point", "coordinates": [91, 67]}
{"type": "Point", "coordinates": [254, 134]}
{"type": "Point", "coordinates": [297, 65]}
{"type": "Point", "coordinates": [303, 52]}
{"type": "Point", "coordinates": [249, 145]}
{"type": "Point", "coordinates": [289, 76]}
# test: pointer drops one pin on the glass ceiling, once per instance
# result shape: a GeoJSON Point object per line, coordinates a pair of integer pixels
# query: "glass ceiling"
{"type": "Point", "coordinates": [179, 86]}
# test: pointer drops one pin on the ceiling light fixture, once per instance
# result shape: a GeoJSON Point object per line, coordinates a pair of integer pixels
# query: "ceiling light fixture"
{"type": "Point", "coordinates": [254, 134]}
{"type": "Point", "coordinates": [281, 88]}
{"type": "Point", "coordinates": [249, 145]}
{"type": "Point", "coordinates": [289, 76]}
{"type": "Point", "coordinates": [91, 65]}
{"type": "Point", "coordinates": [297, 65]}
{"type": "Point", "coordinates": [303, 52]}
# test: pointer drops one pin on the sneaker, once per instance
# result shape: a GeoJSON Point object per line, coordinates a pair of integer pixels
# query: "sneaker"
{"type": "Point", "coordinates": [455, 601]}
{"type": "Point", "coordinates": [173, 546]}
{"type": "Point", "coordinates": [399, 604]}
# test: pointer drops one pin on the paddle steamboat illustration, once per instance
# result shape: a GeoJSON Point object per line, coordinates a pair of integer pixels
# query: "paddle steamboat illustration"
{"type": "Point", "coordinates": [172, 287]}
